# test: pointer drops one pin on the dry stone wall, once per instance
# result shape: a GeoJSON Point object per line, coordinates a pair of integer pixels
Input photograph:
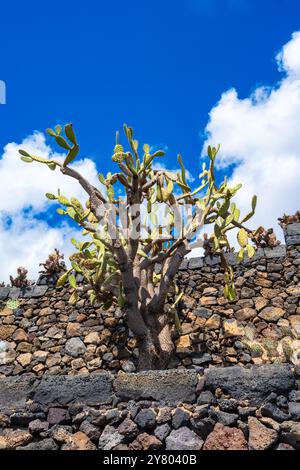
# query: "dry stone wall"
{"type": "Point", "coordinates": [46, 335]}
{"type": "Point", "coordinates": [223, 409]}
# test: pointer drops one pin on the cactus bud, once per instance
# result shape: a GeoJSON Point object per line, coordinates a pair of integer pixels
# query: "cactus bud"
{"type": "Point", "coordinates": [118, 155]}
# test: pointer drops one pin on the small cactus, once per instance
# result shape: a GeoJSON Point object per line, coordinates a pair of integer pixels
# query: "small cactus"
{"type": "Point", "coordinates": [21, 279]}
{"type": "Point", "coordinates": [265, 238]}
{"type": "Point", "coordinates": [12, 304]}
{"type": "Point", "coordinates": [289, 219]}
{"type": "Point", "coordinates": [54, 264]}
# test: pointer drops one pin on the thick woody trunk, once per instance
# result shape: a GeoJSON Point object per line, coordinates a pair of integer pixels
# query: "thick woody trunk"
{"type": "Point", "coordinates": [155, 344]}
{"type": "Point", "coordinates": [157, 348]}
{"type": "Point", "coordinates": [144, 310]}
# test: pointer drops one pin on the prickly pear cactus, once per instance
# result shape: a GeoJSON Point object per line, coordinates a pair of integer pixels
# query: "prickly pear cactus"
{"type": "Point", "coordinates": [12, 304]}
{"type": "Point", "coordinates": [118, 268]}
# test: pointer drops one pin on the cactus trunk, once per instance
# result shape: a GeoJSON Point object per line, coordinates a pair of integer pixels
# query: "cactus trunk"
{"type": "Point", "coordinates": [156, 347]}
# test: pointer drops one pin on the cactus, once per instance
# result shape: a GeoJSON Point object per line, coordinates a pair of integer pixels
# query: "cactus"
{"type": "Point", "coordinates": [289, 219]}
{"type": "Point", "coordinates": [54, 264]}
{"type": "Point", "coordinates": [263, 238]}
{"type": "Point", "coordinates": [119, 268]}
{"type": "Point", "coordinates": [12, 304]}
{"type": "Point", "coordinates": [21, 279]}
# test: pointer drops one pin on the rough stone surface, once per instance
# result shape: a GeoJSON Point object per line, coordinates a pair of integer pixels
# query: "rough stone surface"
{"type": "Point", "coordinates": [145, 442]}
{"type": "Point", "coordinates": [224, 438]}
{"type": "Point", "coordinates": [52, 356]}
{"type": "Point", "coordinates": [168, 386]}
{"type": "Point", "coordinates": [271, 313]}
{"type": "Point", "coordinates": [291, 432]}
{"type": "Point", "coordinates": [75, 347]}
{"type": "Point", "coordinates": [253, 384]}
{"type": "Point", "coordinates": [91, 390]}
{"type": "Point", "coordinates": [110, 438]}
{"type": "Point", "coordinates": [58, 416]}
{"type": "Point", "coordinates": [180, 418]}
{"type": "Point", "coordinates": [14, 391]}
{"type": "Point", "coordinates": [162, 431]}
{"type": "Point", "coordinates": [216, 416]}
{"type": "Point", "coordinates": [272, 411]}
{"type": "Point", "coordinates": [46, 444]}
{"type": "Point", "coordinates": [260, 437]}
{"type": "Point", "coordinates": [79, 441]}
{"type": "Point", "coordinates": [294, 411]}
{"type": "Point", "coordinates": [146, 419]}
{"type": "Point", "coordinates": [10, 439]}
{"type": "Point", "coordinates": [128, 428]}
{"type": "Point", "coordinates": [183, 439]}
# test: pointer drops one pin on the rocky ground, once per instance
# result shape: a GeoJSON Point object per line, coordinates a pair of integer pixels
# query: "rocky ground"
{"type": "Point", "coordinates": [243, 409]}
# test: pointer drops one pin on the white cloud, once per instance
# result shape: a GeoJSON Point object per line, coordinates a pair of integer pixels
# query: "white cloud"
{"type": "Point", "coordinates": [28, 241]}
{"type": "Point", "coordinates": [260, 135]}
{"type": "Point", "coordinates": [24, 185]}
{"type": "Point", "coordinates": [289, 58]}
{"type": "Point", "coordinates": [25, 239]}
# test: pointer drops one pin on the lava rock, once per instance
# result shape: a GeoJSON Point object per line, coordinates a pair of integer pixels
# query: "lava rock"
{"type": "Point", "coordinates": [206, 397]}
{"type": "Point", "coordinates": [260, 437]}
{"type": "Point", "coordinates": [110, 438]}
{"type": "Point", "coordinates": [203, 426]}
{"type": "Point", "coordinates": [183, 439]}
{"type": "Point", "coordinates": [290, 432]}
{"type": "Point", "coordinates": [91, 390]}
{"type": "Point", "coordinates": [11, 439]}
{"type": "Point", "coordinates": [78, 441]}
{"type": "Point", "coordinates": [37, 426]}
{"type": "Point", "coordinates": [180, 418]}
{"type": "Point", "coordinates": [162, 431]}
{"type": "Point", "coordinates": [15, 391]}
{"type": "Point", "coordinates": [92, 432]}
{"type": "Point", "coordinates": [23, 418]}
{"type": "Point", "coordinates": [75, 347]}
{"type": "Point", "coordinates": [146, 419]}
{"type": "Point", "coordinates": [165, 386]}
{"type": "Point", "coordinates": [128, 428]}
{"type": "Point", "coordinates": [254, 384]}
{"type": "Point", "coordinates": [224, 438]}
{"type": "Point", "coordinates": [145, 441]}
{"type": "Point", "coordinates": [284, 446]}
{"type": "Point", "coordinates": [272, 411]}
{"type": "Point", "coordinates": [244, 412]}
{"type": "Point", "coordinates": [45, 444]}
{"type": "Point", "coordinates": [228, 419]}
{"type": "Point", "coordinates": [295, 396]}
{"type": "Point", "coordinates": [294, 410]}
{"type": "Point", "coordinates": [228, 405]}
{"type": "Point", "coordinates": [58, 416]}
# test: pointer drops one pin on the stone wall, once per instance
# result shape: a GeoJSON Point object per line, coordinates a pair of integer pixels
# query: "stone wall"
{"type": "Point", "coordinates": [46, 335]}
{"type": "Point", "coordinates": [234, 408]}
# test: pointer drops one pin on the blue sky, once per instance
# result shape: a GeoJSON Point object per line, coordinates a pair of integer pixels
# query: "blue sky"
{"type": "Point", "coordinates": [160, 66]}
